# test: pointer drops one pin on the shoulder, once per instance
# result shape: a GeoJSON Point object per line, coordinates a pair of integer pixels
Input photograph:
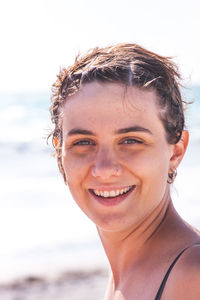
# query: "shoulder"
{"type": "Point", "coordinates": [184, 280]}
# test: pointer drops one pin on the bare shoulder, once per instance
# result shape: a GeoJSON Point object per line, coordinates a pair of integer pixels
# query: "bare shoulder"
{"type": "Point", "coordinates": [184, 280]}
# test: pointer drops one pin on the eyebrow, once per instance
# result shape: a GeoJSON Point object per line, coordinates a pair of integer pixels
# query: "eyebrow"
{"type": "Point", "coordinates": [80, 131]}
{"type": "Point", "coordinates": [75, 131]}
{"type": "Point", "coordinates": [133, 129]}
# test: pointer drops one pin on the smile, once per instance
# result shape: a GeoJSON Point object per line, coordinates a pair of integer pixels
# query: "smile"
{"type": "Point", "coordinates": [112, 193]}
{"type": "Point", "coordinates": [111, 197]}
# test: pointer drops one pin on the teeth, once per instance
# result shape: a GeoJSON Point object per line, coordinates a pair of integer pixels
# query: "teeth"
{"type": "Point", "coordinates": [106, 194]}
{"type": "Point", "coordinates": [122, 191]}
{"type": "Point", "coordinates": [112, 193]}
{"type": "Point", "coordinates": [97, 193]}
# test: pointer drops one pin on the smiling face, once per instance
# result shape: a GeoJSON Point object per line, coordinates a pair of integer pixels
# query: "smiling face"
{"type": "Point", "coordinates": [115, 154]}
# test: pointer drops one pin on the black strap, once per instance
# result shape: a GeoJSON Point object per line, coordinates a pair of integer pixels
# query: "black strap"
{"type": "Point", "coordinates": [160, 291]}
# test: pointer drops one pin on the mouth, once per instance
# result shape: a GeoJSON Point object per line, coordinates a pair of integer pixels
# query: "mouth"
{"type": "Point", "coordinates": [111, 197]}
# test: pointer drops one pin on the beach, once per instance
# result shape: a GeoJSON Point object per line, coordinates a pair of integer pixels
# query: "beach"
{"type": "Point", "coordinates": [72, 286]}
{"type": "Point", "coordinates": [42, 230]}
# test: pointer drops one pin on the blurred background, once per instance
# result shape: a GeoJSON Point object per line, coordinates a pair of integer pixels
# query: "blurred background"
{"type": "Point", "coordinates": [42, 231]}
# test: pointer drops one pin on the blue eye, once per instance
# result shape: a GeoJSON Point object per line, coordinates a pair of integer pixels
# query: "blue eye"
{"type": "Point", "coordinates": [131, 141]}
{"type": "Point", "coordinates": [83, 143]}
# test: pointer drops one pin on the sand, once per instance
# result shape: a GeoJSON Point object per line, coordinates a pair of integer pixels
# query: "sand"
{"type": "Point", "coordinates": [75, 285]}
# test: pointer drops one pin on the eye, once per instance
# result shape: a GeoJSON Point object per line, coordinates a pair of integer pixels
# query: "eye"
{"type": "Point", "coordinates": [131, 141]}
{"type": "Point", "coordinates": [83, 143]}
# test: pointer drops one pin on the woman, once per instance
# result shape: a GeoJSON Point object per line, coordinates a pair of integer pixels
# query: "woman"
{"type": "Point", "coordinates": [119, 138]}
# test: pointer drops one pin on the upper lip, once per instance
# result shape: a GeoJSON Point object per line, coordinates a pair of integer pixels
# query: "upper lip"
{"type": "Point", "coordinates": [110, 188]}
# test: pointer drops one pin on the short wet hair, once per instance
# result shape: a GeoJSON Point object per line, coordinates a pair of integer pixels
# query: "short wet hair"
{"type": "Point", "coordinates": [127, 64]}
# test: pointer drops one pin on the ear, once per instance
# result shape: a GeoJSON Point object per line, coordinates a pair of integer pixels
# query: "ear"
{"type": "Point", "coordinates": [179, 150]}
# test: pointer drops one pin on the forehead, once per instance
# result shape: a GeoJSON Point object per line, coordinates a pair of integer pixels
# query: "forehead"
{"type": "Point", "coordinates": [111, 105]}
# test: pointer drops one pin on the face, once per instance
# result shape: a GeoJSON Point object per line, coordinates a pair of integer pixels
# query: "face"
{"type": "Point", "coordinates": [115, 154]}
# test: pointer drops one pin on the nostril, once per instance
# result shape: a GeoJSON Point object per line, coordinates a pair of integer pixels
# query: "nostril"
{"type": "Point", "coordinates": [117, 171]}
{"type": "Point", "coordinates": [94, 172]}
{"type": "Point", "coordinates": [106, 172]}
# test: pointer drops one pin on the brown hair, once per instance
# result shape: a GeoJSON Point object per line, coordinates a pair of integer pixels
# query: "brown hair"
{"type": "Point", "coordinates": [130, 65]}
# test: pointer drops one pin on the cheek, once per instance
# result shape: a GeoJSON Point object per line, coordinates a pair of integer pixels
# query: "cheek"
{"type": "Point", "coordinates": [76, 167]}
{"type": "Point", "coordinates": [148, 166]}
{"type": "Point", "coordinates": [154, 173]}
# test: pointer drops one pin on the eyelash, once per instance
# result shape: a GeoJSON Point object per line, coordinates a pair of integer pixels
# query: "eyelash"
{"type": "Point", "coordinates": [127, 141]}
{"type": "Point", "coordinates": [83, 143]}
{"type": "Point", "coordinates": [133, 141]}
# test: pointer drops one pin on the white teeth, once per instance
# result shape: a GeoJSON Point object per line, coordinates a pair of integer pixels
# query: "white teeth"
{"type": "Point", "coordinates": [121, 191]}
{"type": "Point", "coordinates": [97, 192]}
{"type": "Point", "coordinates": [112, 193]}
{"type": "Point", "coordinates": [117, 192]}
{"type": "Point", "coordinates": [106, 194]}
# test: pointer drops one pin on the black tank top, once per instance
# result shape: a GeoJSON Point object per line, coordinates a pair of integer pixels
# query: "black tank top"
{"type": "Point", "coordinates": [160, 291]}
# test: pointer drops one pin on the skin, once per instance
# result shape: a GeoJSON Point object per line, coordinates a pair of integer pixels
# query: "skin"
{"type": "Point", "coordinates": [142, 234]}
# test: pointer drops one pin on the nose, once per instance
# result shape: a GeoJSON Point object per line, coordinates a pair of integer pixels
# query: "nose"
{"type": "Point", "coordinates": [106, 165]}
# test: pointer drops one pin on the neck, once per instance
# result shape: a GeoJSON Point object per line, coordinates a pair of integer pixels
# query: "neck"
{"type": "Point", "coordinates": [128, 249]}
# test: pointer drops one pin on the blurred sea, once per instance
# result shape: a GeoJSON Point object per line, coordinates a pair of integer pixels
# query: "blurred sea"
{"type": "Point", "coordinates": [42, 231]}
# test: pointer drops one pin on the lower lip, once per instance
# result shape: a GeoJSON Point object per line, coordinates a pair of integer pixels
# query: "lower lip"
{"type": "Point", "coordinates": [114, 200]}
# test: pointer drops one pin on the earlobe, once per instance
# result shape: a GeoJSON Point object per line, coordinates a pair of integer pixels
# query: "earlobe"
{"type": "Point", "coordinates": [179, 149]}
{"type": "Point", "coordinates": [177, 155]}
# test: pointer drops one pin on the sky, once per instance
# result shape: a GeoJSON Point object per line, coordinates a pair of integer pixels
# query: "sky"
{"type": "Point", "coordinates": [38, 37]}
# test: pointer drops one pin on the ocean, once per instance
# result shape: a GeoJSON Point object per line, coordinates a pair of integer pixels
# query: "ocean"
{"type": "Point", "coordinates": [42, 230]}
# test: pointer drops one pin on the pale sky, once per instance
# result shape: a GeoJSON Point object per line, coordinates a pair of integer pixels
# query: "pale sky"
{"type": "Point", "coordinates": [37, 37]}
